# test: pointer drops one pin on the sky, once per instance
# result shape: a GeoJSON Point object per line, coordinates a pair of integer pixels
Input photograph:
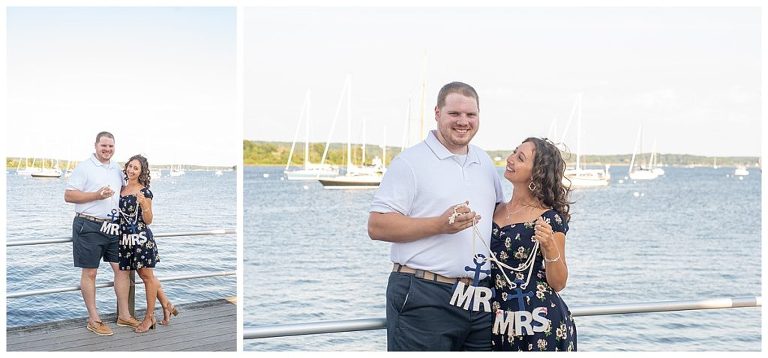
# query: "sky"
{"type": "Point", "coordinates": [161, 79]}
{"type": "Point", "coordinates": [691, 77]}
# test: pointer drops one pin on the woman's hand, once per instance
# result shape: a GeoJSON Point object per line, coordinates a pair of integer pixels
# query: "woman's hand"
{"type": "Point", "coordinates": [141, 199]}
{"type": "Point", "coordinates": [546, 237]}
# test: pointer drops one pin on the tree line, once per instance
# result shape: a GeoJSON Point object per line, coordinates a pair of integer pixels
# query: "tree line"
{"type": "Point", "coordinates": [276, 153]}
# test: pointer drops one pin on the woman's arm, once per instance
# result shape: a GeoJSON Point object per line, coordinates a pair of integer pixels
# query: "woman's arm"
{"type": "Point", "coordinates": [553, 249]}
{"type": "Point", "coordinates": [554, 261]}
{"type": "Point", "coordinates": [146, 208]}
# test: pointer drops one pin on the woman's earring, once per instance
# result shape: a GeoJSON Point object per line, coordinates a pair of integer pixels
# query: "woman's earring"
{"type": "Point", "coordinates": [532, 186]}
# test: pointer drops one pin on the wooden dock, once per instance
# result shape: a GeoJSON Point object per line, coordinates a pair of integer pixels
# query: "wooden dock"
{"type": "Point", "coordinates": [202, 326]}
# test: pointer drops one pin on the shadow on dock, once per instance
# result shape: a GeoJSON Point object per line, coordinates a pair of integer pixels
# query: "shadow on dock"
{"type": "Point", "coordinates": [201, 326]}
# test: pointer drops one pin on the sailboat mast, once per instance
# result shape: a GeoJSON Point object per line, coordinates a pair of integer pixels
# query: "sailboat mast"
{"type": "Point", "coordinates": [423, 85]}
{"type": "Point", "coordinates": [333, 123]}
{"type": "Point", "coordinates": [295, 134]}
{"type": "Point", "coordinates": [306, 135]}
{"type": "Point", "coordinates": [578, 138]}
{"type": "Point", "coordinates": [349, 126]}
{"type": "Point", "coordinates": [363, 162]}
{"type": "Point", "coordinates": [634, 150]}
{"type": "Point", "coordinates": [384, 151]}
{"type": "Point", "coordinates": [407, 131]}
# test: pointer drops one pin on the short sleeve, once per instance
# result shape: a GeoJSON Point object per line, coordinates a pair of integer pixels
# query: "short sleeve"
{"type": "Point", "coordinates": [78, 178]}
{"type": "Point", "coordinates": [397, 189]}
{"type": "Point", "coordinates": [147, 193]}
{"type": "Point", "coordinates": [557, 221]}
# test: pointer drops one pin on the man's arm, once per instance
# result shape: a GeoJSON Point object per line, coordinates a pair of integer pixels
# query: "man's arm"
{"type": "Point", "coordinates": [80, 197]}
{"type": "Point", "coordinates": [396, 227]}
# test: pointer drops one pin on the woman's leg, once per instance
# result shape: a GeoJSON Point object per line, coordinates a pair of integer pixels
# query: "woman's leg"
{"type": "Point", "coordinates": [168, 307]}
{"type": "Point", "coordinates": [150, 287]}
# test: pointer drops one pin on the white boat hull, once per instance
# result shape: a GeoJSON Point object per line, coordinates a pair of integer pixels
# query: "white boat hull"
{"type": "Point", "coordinates": [311, 174]}
{"type": "Point", "coordinates": [47, 173]}
{"type": "Point", "coordinates": [643, 174]}
{"type": "Point", "coordinates": [352, 182]}
{"type": "Point", "coordinates": [585, 178]}
{"type": "Point", "coordinates": [583, 182]}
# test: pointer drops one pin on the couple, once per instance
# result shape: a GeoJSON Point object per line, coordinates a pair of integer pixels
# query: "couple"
{"type": "Point", "coordinates": [113, 226]}
{"type": "Point", "coordinates": [472, 272]}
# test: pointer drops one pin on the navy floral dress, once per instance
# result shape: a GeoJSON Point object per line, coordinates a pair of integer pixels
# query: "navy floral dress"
{"type": "Point", "coordinates": [137, 244]}
{"type": "Point", "coordinates": [512, 245]}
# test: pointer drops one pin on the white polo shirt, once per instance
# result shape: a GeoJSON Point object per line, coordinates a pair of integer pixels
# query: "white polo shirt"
{"type": "Point", "coordinates": [424, 181]}
{"type": "Point", "coordinates": [91, 175]}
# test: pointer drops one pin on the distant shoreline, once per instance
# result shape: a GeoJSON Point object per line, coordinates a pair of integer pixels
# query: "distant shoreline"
{"type": "Point", "coordinates": [261, 153]}
{"type": "Point", "coordinates": [11, 163]}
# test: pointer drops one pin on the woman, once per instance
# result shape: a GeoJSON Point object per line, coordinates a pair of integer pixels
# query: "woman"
{"type": "Point", "coordinates": [137, 246]}
{"type": "Point", "coordinates": [528, 242]}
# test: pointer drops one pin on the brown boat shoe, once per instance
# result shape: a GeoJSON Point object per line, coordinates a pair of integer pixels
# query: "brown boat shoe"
{"type": "Point", "coordinates": [130, 322]}
{"type": "Point", "coordinates": [99, 328]}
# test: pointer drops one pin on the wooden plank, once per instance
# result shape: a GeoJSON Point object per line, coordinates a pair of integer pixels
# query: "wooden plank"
{"type": "Point", "coordinates": [201, 326]}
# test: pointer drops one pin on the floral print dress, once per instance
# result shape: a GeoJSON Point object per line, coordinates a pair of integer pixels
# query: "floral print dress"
{"type": "Point", "coordinates": [512, 245]}
{"type": "Point", "coordinates": [137, 244]}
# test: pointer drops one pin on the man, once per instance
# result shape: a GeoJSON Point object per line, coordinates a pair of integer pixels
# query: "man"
{"type": "Point", "coordinates": [418, 209]}
{"type": "Point", "coordinates": [94, 188]}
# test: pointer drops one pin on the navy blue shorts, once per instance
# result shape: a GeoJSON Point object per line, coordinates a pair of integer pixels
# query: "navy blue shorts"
{"type": "Point", "coordinates": [420, 318]}
{"type": "Point", "coordinates": [90, 245]}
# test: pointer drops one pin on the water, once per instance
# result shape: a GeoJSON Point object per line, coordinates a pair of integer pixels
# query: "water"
{"type": "Point", "coordinates": [691, 234]}
{"type": "Point", "coordinates": [196, 201]}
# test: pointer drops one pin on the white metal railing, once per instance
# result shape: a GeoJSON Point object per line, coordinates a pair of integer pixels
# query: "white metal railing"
{"type": "Point", "coordinates": [65, 239]}
{"type": "Point", "coordinates": [131, 300]}
{"type": "Point", "coordinates": [111, 283]}
{"type": "Point", "coordinates": [285, 330]}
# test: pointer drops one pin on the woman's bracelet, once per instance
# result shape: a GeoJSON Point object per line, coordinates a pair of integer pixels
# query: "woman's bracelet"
{"type": "Point", "coordinates": [553, 260]}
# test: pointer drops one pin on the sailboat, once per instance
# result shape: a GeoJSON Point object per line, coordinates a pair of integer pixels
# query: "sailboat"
{"type": "Point", "coordinates": [356, 177]}
{"type": "Point", "coordinates": [655, 164]}
{"type": "Point", "coordinates": [741, 171]}
{"type": "Point", "coordinates": [177, 171]}
{"type": "Point", "coordinates": [642, 172]}
{"type": "Point", "coordinates": [310, 171]}
{"type": "Point", "coordinates": [581, 176]}
{"type": "Point", "coordinates": [43, 172]}
{"type": "Point", "coordinates": [27, 170]}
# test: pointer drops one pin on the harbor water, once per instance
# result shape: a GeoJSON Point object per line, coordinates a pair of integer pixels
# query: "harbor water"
{"type": "Point", "coordinates": [196, 201]}
{"type": "Point", "coordinates": [691, 234]}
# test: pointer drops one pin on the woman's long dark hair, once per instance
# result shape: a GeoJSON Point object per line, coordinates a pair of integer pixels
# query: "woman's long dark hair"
{"type": "Point", "coordinates": [547, 176]}
{"type": "Point", "coordinates": [144, 177]}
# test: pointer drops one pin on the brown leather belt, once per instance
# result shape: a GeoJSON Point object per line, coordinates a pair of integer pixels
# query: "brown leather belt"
{"type": "Point", "coordinates": [429, 276]}
{"type": "Point", "coordinates": [90, 218]}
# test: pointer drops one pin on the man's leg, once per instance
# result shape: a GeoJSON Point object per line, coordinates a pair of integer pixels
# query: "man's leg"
{"type": "Point", "coordinates": [480, 337]}
{"type": "Point", "coordinates": [419, 317]}
{"type": "Point", "coordinates": [88, 289]}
